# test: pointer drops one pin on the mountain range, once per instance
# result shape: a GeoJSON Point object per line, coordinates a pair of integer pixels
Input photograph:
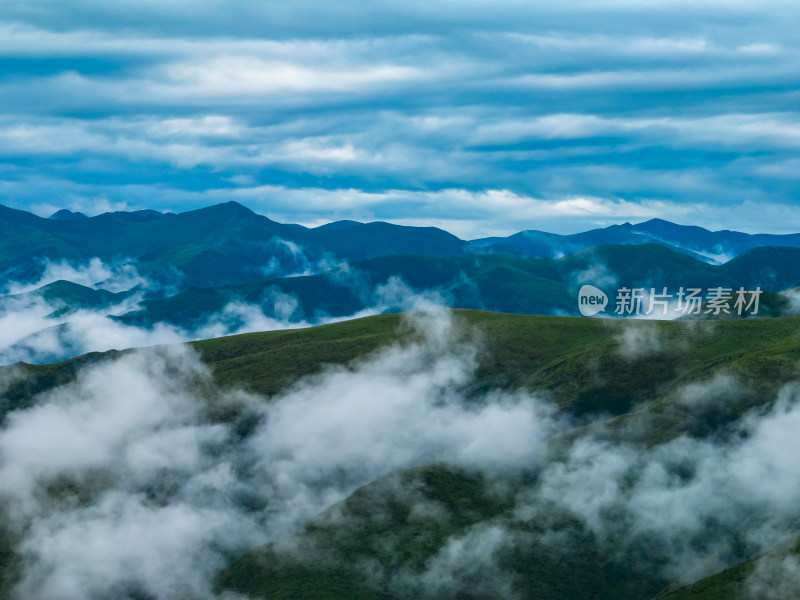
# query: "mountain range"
{"type": "Point", "coordinates": [227, 243]}
{"type": "Point", "coordinates": [464, 454]}
{"type": "Point", "coordinates": [219, 264]}
{"type": "Point", "coordinates": [211, 246]}
{"type": "Point", "coordinates": [710, 246]}
{"type": "Point", "coordinates": [503, 283]}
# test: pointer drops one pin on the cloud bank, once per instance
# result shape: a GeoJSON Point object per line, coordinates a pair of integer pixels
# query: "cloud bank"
{"type": "Point", "coordinates": [407, 111]}
{"type": "Point", "coordinates": [133, 460]}
{"type": "Point", "coordinates": [161, 496]}
{"type": "Point", "coordinates": [40, 326]}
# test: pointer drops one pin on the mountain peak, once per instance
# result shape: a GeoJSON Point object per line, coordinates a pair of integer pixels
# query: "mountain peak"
{"type": "Point", "coordinates": [67, 215]}
{"type": "Point", "coordinates": [338, 225]}
{"type": "Point", "coordinates": [661, 223]}
{"type": "Point", "coordinates": [233, 206]}
{"type": "Point", "coordinates": [225, 209]}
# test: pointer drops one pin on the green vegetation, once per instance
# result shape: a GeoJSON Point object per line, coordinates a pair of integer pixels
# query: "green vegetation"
{"type": "Point", "coordinates": [727, 585]}
{"type": "Point", "coordinates": [732, 583]}
{"type": "Point", "coordinates": [392, 528]}
{"type": "Point", "coordinates": [609, 373]}
{"type": "Point", "coordinates": [576, 361]}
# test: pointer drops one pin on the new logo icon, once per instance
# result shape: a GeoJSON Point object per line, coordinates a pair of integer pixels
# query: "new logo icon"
{"type": "Point", "coordinates": [591, 300]}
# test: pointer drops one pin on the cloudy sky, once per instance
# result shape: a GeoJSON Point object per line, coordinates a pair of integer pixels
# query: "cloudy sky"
{"type": "Point", "coordinates": [480, 117]}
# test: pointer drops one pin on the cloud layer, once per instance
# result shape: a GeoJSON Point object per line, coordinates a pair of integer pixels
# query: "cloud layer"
{"type": "Point", "coordinates": [131, 460]}
{"type": "Point", "coordinates": [161, 496]}
{"type": "Point", "coordinates": [480, 120]}
{"type": "Point", "coordinates": [37, 327]}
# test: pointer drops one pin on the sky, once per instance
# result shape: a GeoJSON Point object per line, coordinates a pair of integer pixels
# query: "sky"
{"type": "Point", "coordinates": [483, 118]}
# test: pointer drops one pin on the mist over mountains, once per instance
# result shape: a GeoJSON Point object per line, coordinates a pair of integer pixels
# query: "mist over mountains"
{"type": "Point", "coordinates": [350, 452]}
{"type": "Point", "coordinates": [212, 246]}
{"type": "Point", "coordinates": [75, 284]}
{"type": "Point", "coordinates": [228, 242]}
{"type": "Point", "coordinates": [399, 300]}
{"type": "Point", "coordinates": [441, 455]}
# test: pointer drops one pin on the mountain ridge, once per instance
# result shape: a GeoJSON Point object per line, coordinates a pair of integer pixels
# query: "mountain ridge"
{"type": "Point", "coordinates": [233, 239]}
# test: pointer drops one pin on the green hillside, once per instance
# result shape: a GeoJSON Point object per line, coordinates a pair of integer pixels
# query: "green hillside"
{"type": "Point", "coordinates": [377, 524]}
{"type": "Point", "coordinates": [628, 395]}
{"type": "Point", "coordinates": [732, 583]}
{"type": "Point", "coordinates": [577, 360]}
{"type": "Point", "coordinates": [564, 356]}
{"type": "Point", "coordinates": [728, 585]}
{"type": "Point", "coordinates": [646, 265]}
{"type": "Point", "coordinates": [775, 268]}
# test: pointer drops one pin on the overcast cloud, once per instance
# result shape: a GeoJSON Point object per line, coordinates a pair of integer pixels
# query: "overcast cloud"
{"type": "Point", "coordinates": [482, 119]}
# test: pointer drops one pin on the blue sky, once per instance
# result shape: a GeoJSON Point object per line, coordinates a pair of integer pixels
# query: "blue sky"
{"type": "Point", "coordinates": [483, 118]}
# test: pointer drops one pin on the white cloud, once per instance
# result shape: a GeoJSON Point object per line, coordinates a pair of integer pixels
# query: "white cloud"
{"type": "Point", "coordinates": [209, 125]}
{"type": "Point", "coordinates": [234, 76]}
{"type": "Point", "coordinates": [170, 496]}
{"type": "Point", "coordinates": [36, 330]}
{"type": "Point", "coordinates": [118, 276]}
{"type": "Point", "coordinates": [728, 129]}
{"type": "Point", "coordinates": [692, 495]}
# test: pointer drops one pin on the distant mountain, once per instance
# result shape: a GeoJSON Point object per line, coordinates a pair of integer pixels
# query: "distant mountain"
{"type": "Point", "coordinates": [229, 243]}
{"type": "Point", "coordinates": [501, 283]}
{"type": "Point", "coordinates": [358, 241]}
{"type": "Point", "coordinates": [51, 309]}
{"type": "Point", "coordinates": [211, 246]}
{"type": "Point", "coordinates": [774, 268]}
{"type": "Point", "coordinates": [67, 215]}
{"type": "Point", "coordinates": [64, 297]}
{"type": "Point", "coordinates": [650, 265]}
{"type": "Point", "coordinates": [710, 246]}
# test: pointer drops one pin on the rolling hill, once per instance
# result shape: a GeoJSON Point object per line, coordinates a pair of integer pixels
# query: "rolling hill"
{"type": "Point", "coordinates": [627, 397]}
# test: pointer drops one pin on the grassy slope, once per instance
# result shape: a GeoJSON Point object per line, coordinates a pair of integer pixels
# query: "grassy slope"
{"type": "Point", "coordinates": [727, 585]}
{"type": "Point", "coordinates": [576, 360]}
{"type": "Point", "coordinates": [731, 584]}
